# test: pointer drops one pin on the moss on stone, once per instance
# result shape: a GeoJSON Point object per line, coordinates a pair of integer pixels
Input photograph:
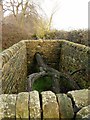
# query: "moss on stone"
{"type": "Point", "coordinates": [43, 84]}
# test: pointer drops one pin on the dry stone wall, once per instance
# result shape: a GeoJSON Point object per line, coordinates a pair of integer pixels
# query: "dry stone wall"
{"type": "Point", "coordinates": [63, 55]}
{"type": "Point", "coordinates": [14, 68]}
{"type": "Point", "coordinates": [47, 105]}
{"type": "Point", "coordinates": [75, 57]}
{"type": "Point", "coordinates": [50, 50]}
{"type": "Point", "coordinates": [18, 60]}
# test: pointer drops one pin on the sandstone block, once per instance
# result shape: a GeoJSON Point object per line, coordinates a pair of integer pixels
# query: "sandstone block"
{"type": "Point", "coordinates": [65, 107]}
{"type": "Point", "coordinates": [80, 97]}
{"type": "Point", "coordinates": [22, 110]}
{"type": "Point", "coordinates": [84, 113]}
{"type": "Point", "coordinates": [49, 105]}
{"type": "Point", "coordinates": [34, 105]}
{"type": "Point", "coordinates": [7, 106]}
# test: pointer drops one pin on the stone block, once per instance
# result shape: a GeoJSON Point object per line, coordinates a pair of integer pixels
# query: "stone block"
{"type": "Point", "coordinates": [7, 106]}
{"type": "Point", "coordinates": [22, 110]}
{"type": "Point", "coordinates": [34, 105]}
{"type": "Point", "coordinates": [80, 97]}
{"type": "Point", "coordinates": [65, 107]}
{"type": "Point", "coordinates": [49, 105]}
{"type": "Point", "coordinates": [84, 113]}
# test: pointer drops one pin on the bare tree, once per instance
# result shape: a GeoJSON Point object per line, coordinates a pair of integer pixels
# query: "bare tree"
{"type": "Point", "coordinates": [19, 8]}
{"type": "Point", "coordinates": [53, 12]}
{"type": "Point", "coordinates": [45, 25]}
{"type": "Point", "coordinates": [23, 9]}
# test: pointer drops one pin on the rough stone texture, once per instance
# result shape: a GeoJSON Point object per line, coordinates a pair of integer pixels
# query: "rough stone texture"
{"type": "Point", "coordinates": [65, 107]}
{"type": "Point", "coordinates": [22, 109]}
{"type": "Point", "coordinates": [60, 54]}
{"type": "Point", "coordinates": [84, 113]}
{"type": "Point", "coordinates": [80, 97]}
{"type": "Point", "coordinates": [49, 105]}
{"type": "Point", "coordinates": [0, 82]}
{"type": "Point", "coordinates": [50, 49]}
{"type": "Point", "coordinates": [26, 105]}
{"type": "Point", "coordinates": [34, 105]}
{"type": "Point", "coordinates": [67, 55]}
{"type": "Point", "coordinates": [7, 106]}
{"type": "Point", "coordinates": [14, 68]}
{"type": "Point", "coordinates": [1, 19]}
{"type": "Point", "coordinates": [1, 107]}
{"type": "Point", "coordinates": [74, 57]}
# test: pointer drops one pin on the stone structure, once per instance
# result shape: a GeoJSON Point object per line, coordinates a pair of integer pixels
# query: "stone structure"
{"type": "Point", "coordinates": [80, 98]}
{"type": "Point", "coordinates": [30, 105]}
{"type": "Point", "coordinates": [49, 105]}
{"type": "Point", "coordinates": [14, 68]}
{"type": "Point", "coordinates": [84, 113]}
{"type": "Point", "coordinates": [73, 57]}
{"type": "Point", "coordinates": [65, 106]}
{"type": "Point", "coordinates": [17, 62]}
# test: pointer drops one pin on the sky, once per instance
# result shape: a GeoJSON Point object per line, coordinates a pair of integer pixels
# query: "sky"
{"type": "Point", "coordinates": [70, 14]}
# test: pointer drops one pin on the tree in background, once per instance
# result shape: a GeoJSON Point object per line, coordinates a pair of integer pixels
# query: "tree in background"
{"type": "Point", "coordinates": [20, 9]}
{"type": "Point", "coordinates": [18, 22]}
{"type": "Point", "coordinates": [25, 10]}
{"type": "Point", "coordinates": [45, 25]}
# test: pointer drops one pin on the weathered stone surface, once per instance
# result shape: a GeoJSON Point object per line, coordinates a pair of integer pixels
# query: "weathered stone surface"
{"type": "Point", "coordinates": [0, 62]}
{"type": "Point", "coordinates": [50, 50]}
{"type": "Point", "coordinates": [84, 113]}
{"type": "Point", "coordinates": [73, 57]}
{"type": "Point", "coordinates": [34, 105]}
{"type": "Point", "coordinates": [80, 97]}
{"type": "Point", "coordinates": [2, 106]}
{"type": "Point", "coordinates": [7, 106]}
{"type": "Point", "coordinates": [19, 57]}
{"type": "Point", "coordinates": [22, 110]}
{"type": "Point", "coordinates": [0, 82]}
{"type": "Point", "coordinates": [49, 105]}
{"type": "Point", "coordinates": [65, 107]}
{"type": "Point", "coordinates": [14, 68]}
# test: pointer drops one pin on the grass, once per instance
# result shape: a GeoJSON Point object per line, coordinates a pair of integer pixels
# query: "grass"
{"type": "Point", "coordinates": [42, 84]}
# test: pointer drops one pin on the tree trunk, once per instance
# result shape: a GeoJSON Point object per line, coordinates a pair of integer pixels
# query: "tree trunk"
{"type": "Point", "coordinates": [61, 83]}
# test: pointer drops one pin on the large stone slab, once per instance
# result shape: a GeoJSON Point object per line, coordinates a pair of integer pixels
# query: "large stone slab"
{"type": "Point", "coordinates": [49, 105]}
{"type": "Point", "coordinates": [65, 107]}
{"type": "Point", "coordinates": [7, 106]}
{"type": "Point", "coordinates": [34, 105]}
{"type": "Point", "coordinates": [22, 110]}
{"type": "Point", "coordinates": [80, 97]}
{"type": "Point", "coordinates": [84, 113]}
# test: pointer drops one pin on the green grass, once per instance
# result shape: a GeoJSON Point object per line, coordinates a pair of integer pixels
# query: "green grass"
{"type": "Point", "coordinates": [42, 84]}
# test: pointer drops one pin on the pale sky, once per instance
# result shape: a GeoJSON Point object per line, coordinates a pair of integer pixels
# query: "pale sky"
{"type": "Point", "coordinates": [72, 14]}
